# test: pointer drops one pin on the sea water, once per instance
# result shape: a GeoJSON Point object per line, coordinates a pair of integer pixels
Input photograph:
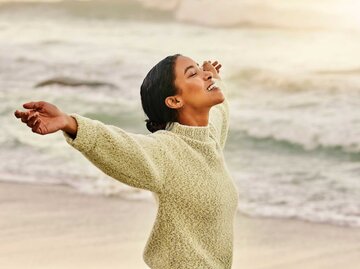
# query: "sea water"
{"type": "Point", "coordinates": [294, 89]}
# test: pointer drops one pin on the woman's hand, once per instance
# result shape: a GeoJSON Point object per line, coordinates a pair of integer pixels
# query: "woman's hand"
{"type": "Point", "coordinates": [213, 67]}
{"type": "Point", "coordinates": [45, 118]}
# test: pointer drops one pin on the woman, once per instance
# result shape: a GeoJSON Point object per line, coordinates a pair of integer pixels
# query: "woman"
{"type": "Point", "coordinates": [181, 162]}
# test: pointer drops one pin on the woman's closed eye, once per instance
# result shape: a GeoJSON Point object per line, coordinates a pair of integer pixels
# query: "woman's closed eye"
{"type": "Point", "coordinates": [193, 74]}
{"type": "Point", "coordinates": [194, 70]}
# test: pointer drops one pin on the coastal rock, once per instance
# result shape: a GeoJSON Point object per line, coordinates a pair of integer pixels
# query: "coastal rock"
{"type": "Point", "coordinates": [74, 82]}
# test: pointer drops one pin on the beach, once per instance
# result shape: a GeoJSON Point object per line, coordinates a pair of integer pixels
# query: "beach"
{"type": "Point", "coordinates": [55, 226]}
{"type": "Point", "coordinates": [293, 146]}
{"type": "Point", "coordinates": [293, 150]}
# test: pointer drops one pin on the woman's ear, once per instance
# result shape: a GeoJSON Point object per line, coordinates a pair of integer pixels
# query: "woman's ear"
{"type": "Point", "coordinates": [174, 102]}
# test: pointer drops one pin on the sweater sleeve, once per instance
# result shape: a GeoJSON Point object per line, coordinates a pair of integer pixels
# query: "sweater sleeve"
{"type": "Point", "coordinates": [219, 117]}
{"type": "Point", "coordinates": [133, 159]}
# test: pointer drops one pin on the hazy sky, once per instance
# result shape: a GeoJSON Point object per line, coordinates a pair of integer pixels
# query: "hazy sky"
{"type": "Point", "coordinates": [281, 12]}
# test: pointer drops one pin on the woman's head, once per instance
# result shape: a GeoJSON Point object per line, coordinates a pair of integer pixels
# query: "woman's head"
{"type": "Point", "coordinates": [175, 88]}
{"type": "Point", "coordinates": [158, 84]}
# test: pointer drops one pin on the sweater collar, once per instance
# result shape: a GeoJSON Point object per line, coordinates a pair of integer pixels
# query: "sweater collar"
{"type": "Point", "coordinates": [194, 132]}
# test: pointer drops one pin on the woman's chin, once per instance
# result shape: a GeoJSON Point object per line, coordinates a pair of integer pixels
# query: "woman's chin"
{"type": "Point", "coordinates": [218, 101]}
{"type": "Point", "coordinates": [220, 98]}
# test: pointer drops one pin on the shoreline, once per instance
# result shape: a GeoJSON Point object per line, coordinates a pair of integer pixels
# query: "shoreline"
{"type": "Point", "coordinates": [54, 226]}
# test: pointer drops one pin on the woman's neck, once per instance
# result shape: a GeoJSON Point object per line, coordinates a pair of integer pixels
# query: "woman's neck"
{"type": "Point", "coordinates": [195, 118]}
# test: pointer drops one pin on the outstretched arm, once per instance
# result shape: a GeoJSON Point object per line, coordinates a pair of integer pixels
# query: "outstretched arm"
{"type": "Point", "coordinates": [219, 114]}
{"type": "Point", "coordinates": [134, 159]}
{"type": "Point", "coordinates": [45, 118]}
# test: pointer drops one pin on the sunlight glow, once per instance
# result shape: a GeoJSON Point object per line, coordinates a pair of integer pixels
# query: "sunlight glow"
{"type": "Point", "coordinates": [349, 12]}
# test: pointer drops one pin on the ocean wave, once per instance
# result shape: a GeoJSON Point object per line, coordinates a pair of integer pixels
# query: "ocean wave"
{"type": "Point", "coordinates": [290, 82]}
{"type": "Point", "coordinates": [51, 42]}
{"type": "Point", "coordinates": [104, 10]}
{"type": "Point", "coordinates": [9, 143]}
{"type": "Point", "coordinates": [250, 77]}
{"type": "Point", "coordinates": [295, 142]}
{"type": "Point", "coordinates": [311, 214]}
{"type": "Point", "coordinates": [84, 186]}
{"type": "Point", "coordinates": [23, 163]}
{"type": "Point", "coordinates": [355, 71]}
{"type": "Point", "coordinates": [310, 196]}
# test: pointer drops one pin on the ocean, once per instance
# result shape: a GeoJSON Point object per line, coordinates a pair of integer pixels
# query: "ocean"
{"type": "Point", "coordinates": [294, 89]}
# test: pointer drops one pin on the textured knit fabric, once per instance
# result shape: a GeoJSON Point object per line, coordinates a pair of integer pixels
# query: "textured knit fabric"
{"type": "Point", "coordinates": [184, 167]}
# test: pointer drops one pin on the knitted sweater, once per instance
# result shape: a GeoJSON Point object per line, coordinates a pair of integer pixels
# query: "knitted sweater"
{"type": "Point", "coordinates": [184, 167]}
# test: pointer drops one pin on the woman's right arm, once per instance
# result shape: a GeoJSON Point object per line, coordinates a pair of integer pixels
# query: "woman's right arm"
{"type": "Point", "coordinates": [134, 159]}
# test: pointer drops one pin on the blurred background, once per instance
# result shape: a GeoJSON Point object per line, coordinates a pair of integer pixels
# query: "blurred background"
{"type": "Point", "coordinates": [292, 70]}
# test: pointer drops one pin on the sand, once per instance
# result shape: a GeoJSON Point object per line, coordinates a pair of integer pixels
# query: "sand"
{"type": "Point", "coordinates": [52, 226]}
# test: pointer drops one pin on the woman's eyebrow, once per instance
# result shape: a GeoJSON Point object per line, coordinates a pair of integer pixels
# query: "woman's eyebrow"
{"type": "Point", "coordinates": [187, 68]}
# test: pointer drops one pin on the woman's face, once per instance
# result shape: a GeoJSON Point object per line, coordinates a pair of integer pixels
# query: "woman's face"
{"type": "Point", "coordinates": [192, 83]}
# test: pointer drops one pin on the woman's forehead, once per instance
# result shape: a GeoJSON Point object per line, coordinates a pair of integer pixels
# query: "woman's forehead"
{"type": "Point", "coordinates": [182, 62]}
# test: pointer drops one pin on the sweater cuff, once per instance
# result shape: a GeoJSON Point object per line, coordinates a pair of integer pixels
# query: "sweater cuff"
{"type": "Point", "coordinates": [86, 135]}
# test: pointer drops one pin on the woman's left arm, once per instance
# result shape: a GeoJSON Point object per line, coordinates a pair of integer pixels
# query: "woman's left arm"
{"type": "Point", "coordinates": [133, 159]}
{"type": "Point", "coordinates": [219, 114]}
{"type": "Point", "coordinates": [219, 117]}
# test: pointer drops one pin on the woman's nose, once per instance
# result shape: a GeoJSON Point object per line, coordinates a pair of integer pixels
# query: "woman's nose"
{"type": "Point", "coordinates": [207, 75]}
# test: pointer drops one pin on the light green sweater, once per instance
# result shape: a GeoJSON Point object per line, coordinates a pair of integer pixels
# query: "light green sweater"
{"type": "Point", "coordinates": [184, 167]}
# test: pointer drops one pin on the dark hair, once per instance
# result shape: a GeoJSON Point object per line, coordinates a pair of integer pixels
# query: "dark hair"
{"type": "Point", "coordinates": [158, 84]}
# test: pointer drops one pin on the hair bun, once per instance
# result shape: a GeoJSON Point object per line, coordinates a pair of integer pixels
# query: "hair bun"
{"type": "Point", "coordinates": [154, 126]}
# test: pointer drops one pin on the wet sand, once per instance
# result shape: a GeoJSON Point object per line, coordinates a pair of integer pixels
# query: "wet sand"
{"type": "Point", "coordinates": [52, 226]}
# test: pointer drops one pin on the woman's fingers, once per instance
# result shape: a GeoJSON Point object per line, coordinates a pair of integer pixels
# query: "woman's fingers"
{"type": "Point", "coordinates": [28, 117]}
{"type": "Point", "coordinates": [34, 105]}
{"type": "Point", "coordinates": [32, 119]}
{"type": "Point", "coordinates": [36, 117]}
{"type": "Point", "coordinates": [215, 65]}
{"type": "Point", "coordinates": [33, 113]}
{"type": "Point", "coordinates": [22, 115]}
{"type": "Point", "coordinates": [207, 65]}
{"type": "Point", "coordinates": [36, 127]}
{"type": "Point", "coordinates": [18, 114]}
{"type": "Point", "coordinates": [218, 68]}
